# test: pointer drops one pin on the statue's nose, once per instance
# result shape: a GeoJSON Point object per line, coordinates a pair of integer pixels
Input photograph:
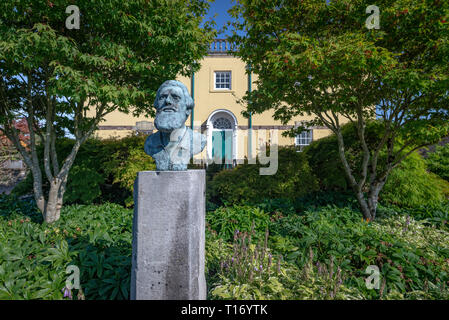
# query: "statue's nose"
{"type": "Point", "coordinates": [169, 100]}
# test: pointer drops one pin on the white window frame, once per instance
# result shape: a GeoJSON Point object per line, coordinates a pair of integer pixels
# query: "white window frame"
{"type": "Point", "coordinates": [308, 138]}
{"type": "Point", "coordinates": [225, 83]}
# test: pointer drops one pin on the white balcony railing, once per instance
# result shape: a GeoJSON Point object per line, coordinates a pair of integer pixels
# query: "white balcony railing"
{"type": "Point", "coordinates": [221, 46]}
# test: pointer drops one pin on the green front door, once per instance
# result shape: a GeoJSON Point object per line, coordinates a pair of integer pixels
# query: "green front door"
{"type": "Point", "coordinates": [222, 146]}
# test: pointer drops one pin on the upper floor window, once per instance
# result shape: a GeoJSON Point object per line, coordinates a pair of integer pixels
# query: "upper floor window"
{"type": "Point", "coordinates": [303, 139]}
{"type": "Point", "coordinates": [222, 80]}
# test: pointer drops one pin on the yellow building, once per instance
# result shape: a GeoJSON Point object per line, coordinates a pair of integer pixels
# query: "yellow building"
{"type": "Point", "coordinates": [215, 88]}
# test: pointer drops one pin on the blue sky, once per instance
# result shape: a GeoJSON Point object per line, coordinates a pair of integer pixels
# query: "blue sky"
{"type": "Point", "coordinates": [220, 7]}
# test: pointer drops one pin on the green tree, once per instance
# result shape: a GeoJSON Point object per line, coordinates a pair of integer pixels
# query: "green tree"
{"type": "Point", "coordinates": [66, 80]}
{"type": "Point", "coordinates": [319, 58]}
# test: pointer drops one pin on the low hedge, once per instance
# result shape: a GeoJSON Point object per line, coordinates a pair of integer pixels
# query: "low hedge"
{"type": "Point", "coordinates": [244, 184]}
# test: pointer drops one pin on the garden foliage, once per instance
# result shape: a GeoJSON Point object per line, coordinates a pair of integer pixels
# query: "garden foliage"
{"type": "Point", "coordinates": [409, 184]}
{"type": "Point", "coordinates": [438, 161]}
{"type": "Point", "coordinates": [317, 253]}
{"type": "Point", "coordinates": [324, 254]}
{"type": "Point", "coordinates": [412, 185]}
{"type": "Point", "coordinates": [104, 170]}
{"type": "Point", "coordinates": [321, 61]}
{"type": "Point", "coordinates": [226, 221]}
{"type": "Point", "coordinates": [34, 256]}
{"type": "Point", "coordinates": [244, 184]}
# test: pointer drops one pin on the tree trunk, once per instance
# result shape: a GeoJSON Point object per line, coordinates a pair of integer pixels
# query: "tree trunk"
{"type": "Point", "coordinates": [373, 197]}
{"type": "Point", "coordinates": [37, 187]}
{"type": "Point", "coordinates": [364, 206]}
{"type": "Point", "coordinates": [368, 206]}
{"type": "Point", "coordinates": [368, 203]}
{"type": "Point", "coordinates": [52, 210]}
{"type": "Point", "coordinates": [53, 207]}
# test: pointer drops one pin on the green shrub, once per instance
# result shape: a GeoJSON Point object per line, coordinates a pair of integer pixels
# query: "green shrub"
{"type": "Point", "coordinates": [409, 184]}
{"type": "Point", "coordinates": [412, 256]}
{"type": "Point", "coordinates": [103, 171]}
{"type": "Point", "coordinates": [310, 201]}
{"type": "Point", "coordinates": [438, 161]}
{"type": "Point", "coordinates": [225, 221]}
{"type": "Point", "coordinates": [34, 256]}
{"type": "Point", "coordinates": [126, 158]}
{"type": "Point", "coordinates": [83, 185]}
{"type": "Point", "coordinates": [24, 187]}
{"type": "Point", "coordinates": [10, 205]}
{"type": "Point", "coordinates": [244, 184]}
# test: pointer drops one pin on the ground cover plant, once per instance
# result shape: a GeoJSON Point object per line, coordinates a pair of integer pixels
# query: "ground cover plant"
{"type": "Point", "coordinates": [325, 253]}
{"type": "Point", "coordinates": [34, 255]}
{"type": "Point", "coordinates": [299, 252]}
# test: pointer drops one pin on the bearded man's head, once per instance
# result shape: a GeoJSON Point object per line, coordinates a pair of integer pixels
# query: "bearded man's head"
{"type": "Point", "coordinates": [173, 105]}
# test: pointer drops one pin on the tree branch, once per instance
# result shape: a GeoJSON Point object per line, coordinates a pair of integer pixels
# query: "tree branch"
{"type": "Point", "coordinates": [48, 134]}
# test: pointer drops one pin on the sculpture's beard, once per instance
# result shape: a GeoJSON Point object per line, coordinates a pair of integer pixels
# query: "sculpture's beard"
{"type": "Point", "coordinates": [169, 121]}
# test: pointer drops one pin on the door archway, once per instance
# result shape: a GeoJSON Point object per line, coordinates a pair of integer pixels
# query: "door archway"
{"type": "Point", "coordinates": [222, 136]}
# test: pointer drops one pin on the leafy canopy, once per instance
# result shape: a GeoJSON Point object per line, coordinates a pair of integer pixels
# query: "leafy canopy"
{"type": "Point", "coordinates": [316, 57]}
{"type": "Point", "coordinates": [122, 52]}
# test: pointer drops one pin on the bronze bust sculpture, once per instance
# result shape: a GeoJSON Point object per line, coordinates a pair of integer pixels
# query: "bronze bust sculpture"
{"type": "Point", "coordinates": [174, 144]}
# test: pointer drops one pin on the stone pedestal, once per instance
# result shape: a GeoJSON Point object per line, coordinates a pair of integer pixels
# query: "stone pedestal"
{"type": "Point", "coordinates": [169, 236]}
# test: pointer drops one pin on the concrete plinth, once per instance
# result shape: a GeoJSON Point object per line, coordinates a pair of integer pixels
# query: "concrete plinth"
{"type": "Point", "coordinates": [169, 236]}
